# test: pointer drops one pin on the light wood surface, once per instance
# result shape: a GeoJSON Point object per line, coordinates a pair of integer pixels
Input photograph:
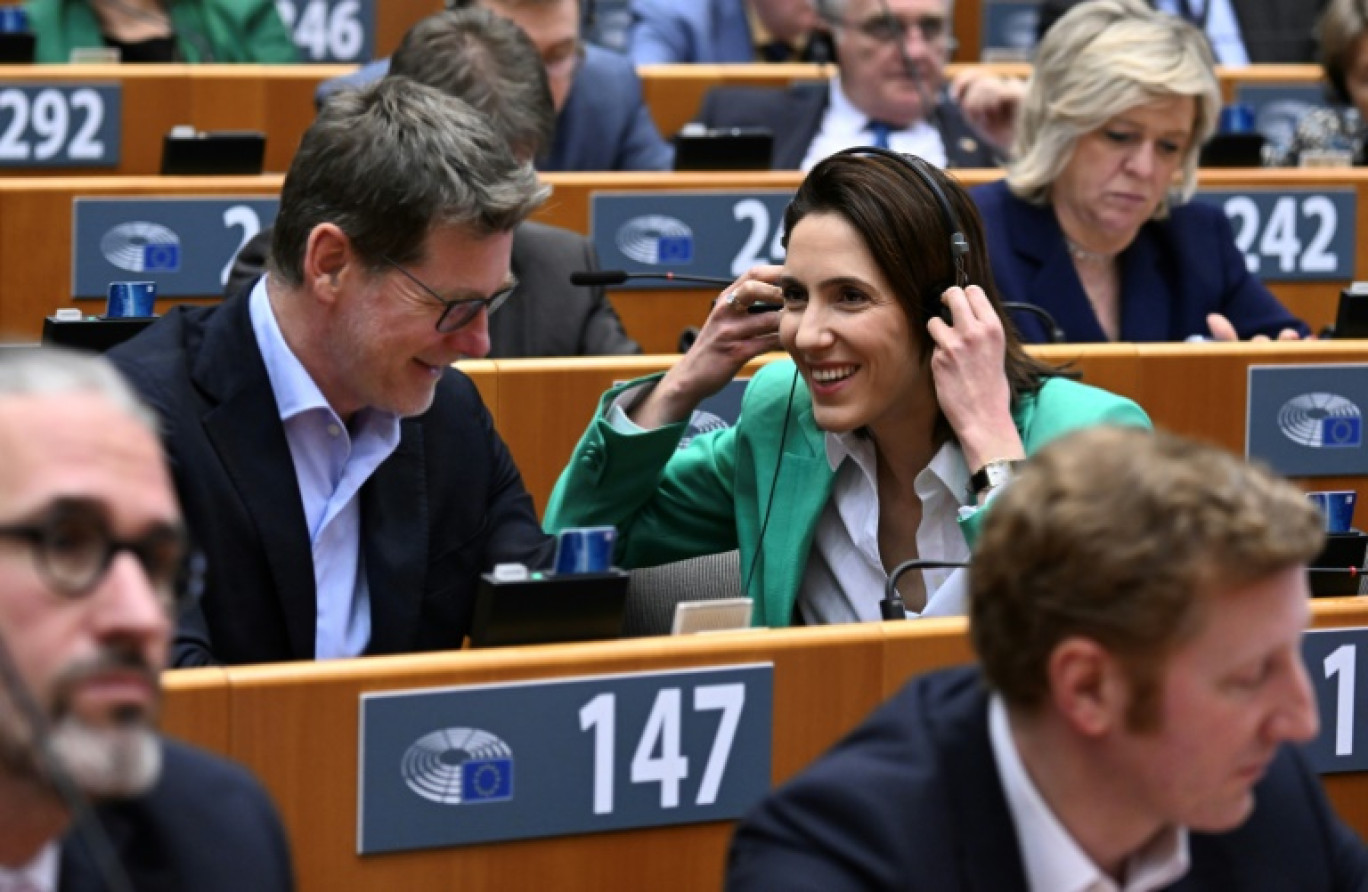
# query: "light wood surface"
{"type": "Point", "coordinates": [1200, 390]}
{"type": "Point", "coordinates": [36, 233]}
{"type": "Point", "coordinates": [296, 727]}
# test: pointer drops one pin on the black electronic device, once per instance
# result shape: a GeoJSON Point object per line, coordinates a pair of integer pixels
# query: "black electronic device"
{"type": "Point", "coordinates": [1351, 319]}
{"type": "Point", "coordinates": [1233, 150]}
{"type": "Point", "coordinates": [17, 48]}
{"type": "Point", "coordinates": [93, 334]}
{"type": "Point", "coordinates": [186, 152]}
{"type": "Point", "coordinates": [1338, 569]}
{"type": "Point", "coordinates": [548, 608]}
{"type": "Point", "coordinates": [727, 148]}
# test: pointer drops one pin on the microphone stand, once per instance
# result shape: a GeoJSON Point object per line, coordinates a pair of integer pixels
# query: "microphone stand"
{"type": "Point", "coordinates": [892, 606]}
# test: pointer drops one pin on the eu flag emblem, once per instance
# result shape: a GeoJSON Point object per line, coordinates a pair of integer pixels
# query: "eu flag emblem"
{"type": "Point", "coordinates": [487, 780]}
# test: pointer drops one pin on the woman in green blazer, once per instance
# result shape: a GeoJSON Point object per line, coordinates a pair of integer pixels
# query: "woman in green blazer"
{"type": "Point", "coordinates": [903, 408]}
{"type": "Point", "coordinates": [163, 30]}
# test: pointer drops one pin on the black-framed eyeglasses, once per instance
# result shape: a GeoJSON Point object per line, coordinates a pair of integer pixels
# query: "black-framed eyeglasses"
{"type": "Point", "coordinates": [886, 28]}
{"type": "Point", "coordinates": [461, 312]}
{"type": "Point", "coordinates": [73, 547]}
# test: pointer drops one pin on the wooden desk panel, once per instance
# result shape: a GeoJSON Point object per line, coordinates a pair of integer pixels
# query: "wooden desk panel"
{"type": "Point", "coordinates": [674, 93]}
{"type": "Point", "coordinates": [296, 726]}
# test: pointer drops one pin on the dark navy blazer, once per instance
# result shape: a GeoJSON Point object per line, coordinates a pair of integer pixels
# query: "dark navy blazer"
{"type": "Point", "coordinates": [447, 505]}
{"type": "Point", "coordinates": [206, 825]}
{"type": "Point", "coordinates": [911, 800]}
{"type": "Point", "coordinates": [604, 124]}
{"type": "Point", "coordinates": [1175, 272]}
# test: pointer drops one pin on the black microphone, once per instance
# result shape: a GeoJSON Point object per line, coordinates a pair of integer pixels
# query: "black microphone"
{"type": "Point", "coordinates": [593, 277]}
{"type": "Point", "coordinates": [1052, 329]}
{"type": "Point", "coordinates": [892, 606]}
{"type": "Point", "coordinates": [97, 842]}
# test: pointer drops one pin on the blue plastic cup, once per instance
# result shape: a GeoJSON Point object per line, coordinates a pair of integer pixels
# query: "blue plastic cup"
{"type": "Point", "coordinates": [585, 550]}
{"type": "Point", "coordinates": [1236, 118]}
{"type": "Point", "coordinates": [131, 299]}
{"type": "Point", "coordinates": [1338, 508]}
{"type": "Point", "coordinates": [13, 20]}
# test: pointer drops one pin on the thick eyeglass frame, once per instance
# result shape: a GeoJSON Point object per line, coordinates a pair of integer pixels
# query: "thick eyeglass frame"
{"type": "Point", "coordinates": [162, 553]}
{"type": "Point", "coordinates": [458, 313]}
{"type": "Point", "coordinates": [887, 28]}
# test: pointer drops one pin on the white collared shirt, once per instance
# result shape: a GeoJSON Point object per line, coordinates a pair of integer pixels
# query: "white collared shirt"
{"type": "Point", "coordinates": [844, 125]}
{"type": "Point", "coordinates": [844, 577]}
{"type": "Point", "coordinates": [1053, 860]}
{"type": "Point", "coordinates": [332, 461]}
{"type": "Point", "coordinates": [1222, 28]}
{"type": "Point", "coordinates": [41, 873]}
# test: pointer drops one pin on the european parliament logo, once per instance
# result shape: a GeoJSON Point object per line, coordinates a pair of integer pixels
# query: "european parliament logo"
{"type": "Point", "coordinates": [1321, 421]}
{"type": "Point", "coordinates": [656, 239]}
{"type": "Point", "coordinates": [142, 247]}
{"type": "Point", "coordinates": [456, 765]}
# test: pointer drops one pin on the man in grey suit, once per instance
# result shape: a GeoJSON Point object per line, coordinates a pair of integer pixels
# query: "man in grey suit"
{"type": "Point", "coordinates": [887, 92]}
{"type": "Point", "coordinates": [488, 61]}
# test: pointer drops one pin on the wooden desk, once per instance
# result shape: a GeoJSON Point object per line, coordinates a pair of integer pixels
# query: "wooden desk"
{"type": "Point", "coordinates": [544, 405]}
{"type": "Point", "coordinates": [275, 99]}
{"type": "Point", "coordinates": [674, 93]}
{"type": "Point", "coordinates": [35, 234]}
{"type": "Point", "coordinates": [296, 727]}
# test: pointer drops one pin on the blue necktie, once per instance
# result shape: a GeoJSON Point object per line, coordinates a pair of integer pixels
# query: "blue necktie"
{"type": "Point", "coordinates": [880, 130]}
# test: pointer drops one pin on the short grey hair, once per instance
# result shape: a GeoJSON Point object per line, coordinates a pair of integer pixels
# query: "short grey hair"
{"type": "Point", "coordinates": [389, 163]}
{"type": "Point", "coordinates": [42, 371]}
{"type": "Point", "coordinates": [1100, 59]}
{"type": "Point", "coordinates": [833, 13]}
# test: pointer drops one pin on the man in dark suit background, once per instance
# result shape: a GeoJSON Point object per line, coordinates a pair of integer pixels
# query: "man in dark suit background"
{"type": "Point", "coordinates": [488, 61]}
{"type": "Point", "coordinates": [602, 122]}
{"type": "Point", "coordinates": [1137, 602]}
{"type": "Point", "coordinates": [346, 484]}
{"type": "Point", "coordinates": [93, 547]}
{"type": "Point", "coordinates": [888, 92]}
{"type": "Point", "coordinates": [1268, 31]}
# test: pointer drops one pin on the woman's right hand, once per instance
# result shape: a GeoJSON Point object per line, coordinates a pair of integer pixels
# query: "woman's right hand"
{"type": "Point", "coordinates": [730, 338]}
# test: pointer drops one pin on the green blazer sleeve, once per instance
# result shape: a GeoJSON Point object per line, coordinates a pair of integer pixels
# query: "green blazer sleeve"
{"type": "Point", "coordinates": [217, 30]}
{"type": "Point", "coordinates": [1059, 407]}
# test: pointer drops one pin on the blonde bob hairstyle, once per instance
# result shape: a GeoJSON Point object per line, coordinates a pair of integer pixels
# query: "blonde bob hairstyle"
{"type": "Point", "coordinates": [1099, 60]}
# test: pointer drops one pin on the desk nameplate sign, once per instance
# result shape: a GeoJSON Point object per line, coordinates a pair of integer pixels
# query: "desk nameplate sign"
{"type": "Point", "coordinates": [521, 760]}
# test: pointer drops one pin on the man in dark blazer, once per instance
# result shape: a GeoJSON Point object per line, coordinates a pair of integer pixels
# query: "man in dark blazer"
{"type": "Point", "coordinates": [345, 483]}
{"type": "Point", "coordinates": [1134, 720]}
{"type": "Point", "coordinates": [602, 122]}
{"type": "Point", "coordinates": [488, 61]}
{"type": "Point", "coordinates": [888, 91]}
{"type": "Point", "coordinates": [94, 548]}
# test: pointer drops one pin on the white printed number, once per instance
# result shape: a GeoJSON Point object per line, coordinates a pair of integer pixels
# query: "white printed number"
{"type": "Point", "coordinates": [1278, 238]}
{"type": "Point", "coordinates": [324, 32]}
{"type": "Point", "coordinates": [658, 758]}
{"type": "Point", "coordinates": [51, 124]}
{"type": "Point", "coordinates": [242, 216]}
{"type": "Point", "coordinates": [1341, 663]}
{"type": "Point", "coordinates": [753, 211]}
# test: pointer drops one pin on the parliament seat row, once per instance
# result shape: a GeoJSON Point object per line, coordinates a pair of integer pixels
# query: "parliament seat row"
{"type": "Point", "coordinates": [1285, 219]}
{"type": "Point", "coordinates": [278, 101]}
{"type": "Point", "coordinates": [296, 727]}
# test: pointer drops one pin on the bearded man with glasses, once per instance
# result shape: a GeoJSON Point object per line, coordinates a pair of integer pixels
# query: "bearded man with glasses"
{"type": "Point", "coordinates": [888, 91]}
{"type": "Point", "coordinates": [92, 551]}
{"type": "Point", "coordinates": [346, 484]}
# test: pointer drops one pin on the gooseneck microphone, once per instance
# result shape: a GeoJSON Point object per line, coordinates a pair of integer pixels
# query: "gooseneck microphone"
{"type": "Point", "coordinates": [92, 833]}
{"type": "Point", "coordinates": [594, 277]}
{"type": "Point", "coordinates": [1052, 329]}
{"type": "Point", "coordinates": [892, 606]}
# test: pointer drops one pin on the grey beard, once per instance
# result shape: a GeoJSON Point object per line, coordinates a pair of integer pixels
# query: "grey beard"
{"type": "Point", "coordinates": [116, 761]}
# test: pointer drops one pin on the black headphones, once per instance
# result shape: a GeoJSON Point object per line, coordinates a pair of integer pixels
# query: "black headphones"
{"type": "Point", "coordinates": [959, 245]}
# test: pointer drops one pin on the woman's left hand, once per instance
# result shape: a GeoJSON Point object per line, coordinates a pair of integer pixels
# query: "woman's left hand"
{"type": "Point", "coordinates": [971, 382]}
{"type": "Point", "coordinates": [1222, 330]}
